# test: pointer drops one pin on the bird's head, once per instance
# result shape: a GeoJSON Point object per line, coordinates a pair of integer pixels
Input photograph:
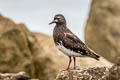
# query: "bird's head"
{"type": "Point", "coordinates": [59, 19]}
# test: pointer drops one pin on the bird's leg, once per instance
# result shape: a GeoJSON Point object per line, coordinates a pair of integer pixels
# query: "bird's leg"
{"type": "Point", "coordinates": [74, 62]}
{"type": "Point", "coordinates": [69, 62]}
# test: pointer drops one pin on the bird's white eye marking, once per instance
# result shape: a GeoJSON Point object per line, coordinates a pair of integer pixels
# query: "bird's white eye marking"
{"type": "Point", "coordinates": [56, 20]}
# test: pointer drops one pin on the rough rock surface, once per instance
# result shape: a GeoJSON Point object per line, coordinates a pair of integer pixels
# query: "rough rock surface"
{"type": "Point", "coordinates": [102, 32]}
{"type": "Point", "coordinates": [92, 73]}
{"type": "Point", "coordinates": [114, 72]}
{"type": "Point", "coordinates": [15, 76]}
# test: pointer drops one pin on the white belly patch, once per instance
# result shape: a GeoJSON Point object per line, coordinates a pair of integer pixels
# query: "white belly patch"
{"type": "Point", "coordinates": [68, 52]}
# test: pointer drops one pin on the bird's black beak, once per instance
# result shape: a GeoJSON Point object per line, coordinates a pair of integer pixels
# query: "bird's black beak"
{"type": "Point", "coordinates": [52, 22]}
{"type": "Point", "coordinates": [55, 21]}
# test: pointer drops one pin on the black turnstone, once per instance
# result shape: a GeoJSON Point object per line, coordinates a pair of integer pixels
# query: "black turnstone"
{"type": "Point", "coordinates": [68, 43]}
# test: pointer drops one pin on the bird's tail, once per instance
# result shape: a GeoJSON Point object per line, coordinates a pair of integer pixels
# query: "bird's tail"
{"type": "Point", "coordinates": [95, 56]}
{"type": "Point", "coordinates": [92, 54]}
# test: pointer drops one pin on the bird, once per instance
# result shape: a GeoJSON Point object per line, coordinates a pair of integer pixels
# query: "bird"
{"type": "Point", "coordinates": [68, 43]}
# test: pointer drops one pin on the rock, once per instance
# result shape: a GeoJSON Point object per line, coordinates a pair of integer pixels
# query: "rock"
{"type": "Point", "coordinates": [19, 51]}
{"type": "Point", "coordinates": [92, 73]}
{"type": "Point", "coordinates": [114, 73]}
{"type": "Point", "coordinates": [15, 76]}
{"type": "Point", "coordinates": [15, 54]}
{"type": "Point", "coordinates": [34, 53]}
{"type": "Point", "coordinates": [102, 33]}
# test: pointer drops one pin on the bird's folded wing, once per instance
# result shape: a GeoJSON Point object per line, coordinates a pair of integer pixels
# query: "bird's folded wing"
{"type": "Point", "coordinates": [74, 43]}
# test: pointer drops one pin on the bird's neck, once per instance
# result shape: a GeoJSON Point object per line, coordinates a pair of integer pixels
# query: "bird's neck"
{"type": "Point", "coordinates": [59, 29]}
{"type": "Point", "coordinates": [61, 25]}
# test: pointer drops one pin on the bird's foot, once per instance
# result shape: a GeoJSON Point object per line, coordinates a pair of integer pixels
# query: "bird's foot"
{"type": "Point", "coordinates": [66, 69]}
{"type": "Point", "coordinates": [75, 68]}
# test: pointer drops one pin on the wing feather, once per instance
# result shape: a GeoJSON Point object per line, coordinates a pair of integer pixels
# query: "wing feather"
{"type": "Point", "coordinates": [74, 43]}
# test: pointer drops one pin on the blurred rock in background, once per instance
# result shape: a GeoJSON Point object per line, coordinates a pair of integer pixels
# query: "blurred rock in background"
{"type": "Point", "coordinates": [102, 32]}
{"type": "Point", "coordinates": [20, 51]}
{"type": "Point", "coordinates": [34, 53]}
